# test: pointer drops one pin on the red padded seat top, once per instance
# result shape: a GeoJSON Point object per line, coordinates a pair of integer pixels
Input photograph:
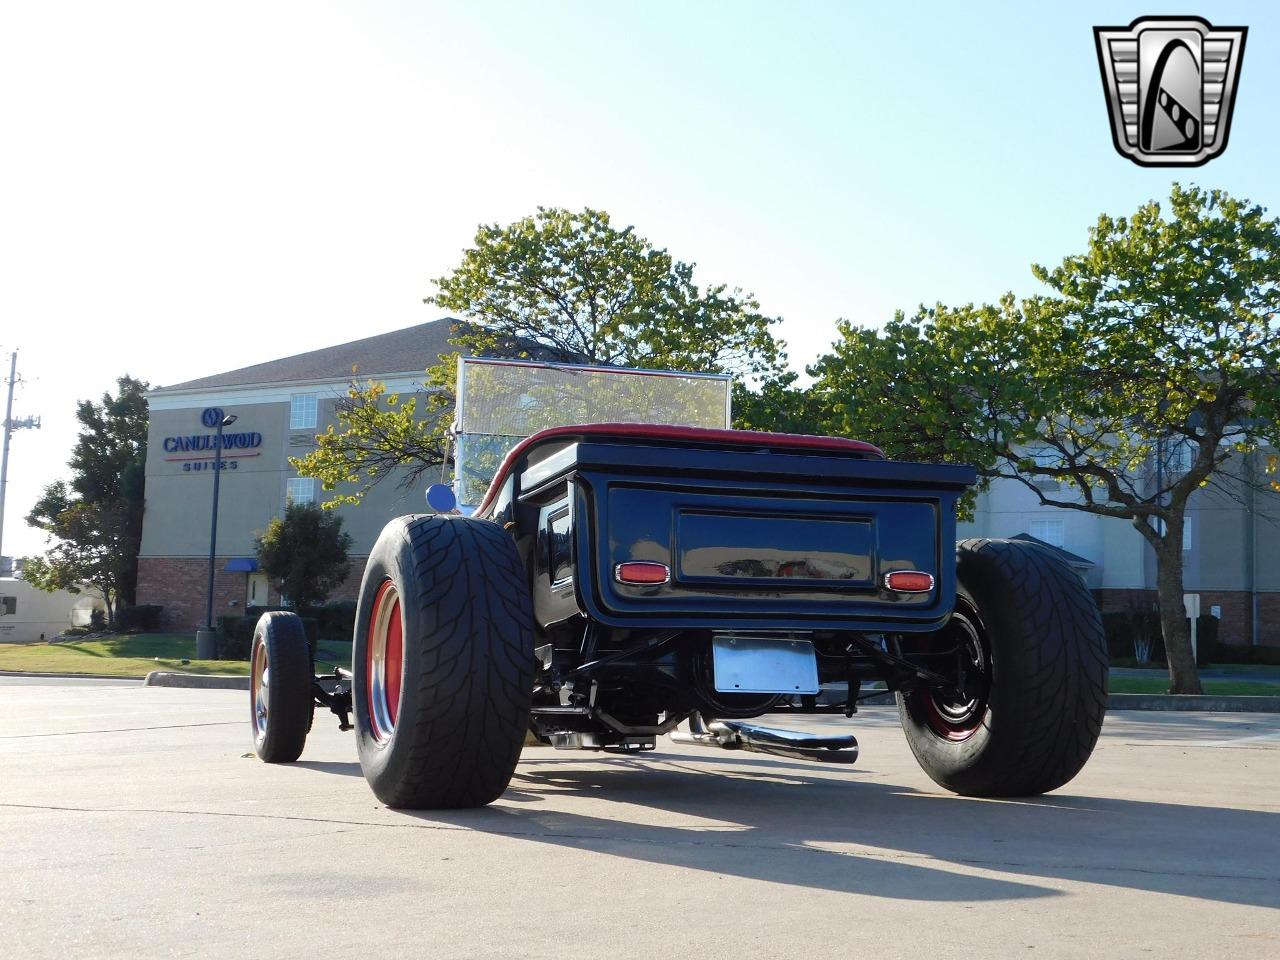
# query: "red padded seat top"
{"type": "Point", "coordinates": [686, 435]}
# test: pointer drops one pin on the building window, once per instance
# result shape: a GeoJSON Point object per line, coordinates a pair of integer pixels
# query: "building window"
{"type": "Point", "coordinates": [1046, 457]}
{"type": "Point", "coordinates": [1189, 525]}
{"type": "Point", "coordinates": [301, 490]}
{"type": "Point", "coordinates": [302, 411]}
{"type": "Point", "coordinates": [1178, 455]}
{"type": "Point", "coordinates": [1052, 532]}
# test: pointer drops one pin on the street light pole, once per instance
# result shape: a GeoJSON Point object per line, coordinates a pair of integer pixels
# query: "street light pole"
{"type": "Point", "coordinates": [206, 639]}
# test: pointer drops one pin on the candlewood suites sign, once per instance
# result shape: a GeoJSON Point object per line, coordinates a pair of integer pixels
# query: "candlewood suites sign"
{"type": "Point", "coordinates": [199, 451]}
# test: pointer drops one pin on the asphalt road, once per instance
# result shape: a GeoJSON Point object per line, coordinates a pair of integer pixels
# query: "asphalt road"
{"type": "Point", "coordinates": [135, 822]}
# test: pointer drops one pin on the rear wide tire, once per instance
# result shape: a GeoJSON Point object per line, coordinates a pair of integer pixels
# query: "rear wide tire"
{"type": "Point", "coordinates": [443, 663]}
{"type": "Point", "coordinates": [1036, 723]}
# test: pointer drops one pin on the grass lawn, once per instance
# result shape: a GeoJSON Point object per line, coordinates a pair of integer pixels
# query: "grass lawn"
{"type": "Point", "coordinates": [131, 656]}
{"type": "Point", "coordinates": [138, 654]}
{"type": "Point", "coordinates": [1216, 688]}
{"type": "Point", "coordinates": [333, 652]}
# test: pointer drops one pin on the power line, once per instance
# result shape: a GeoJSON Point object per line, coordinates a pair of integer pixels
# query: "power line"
{"type": "Point", "coordinates": [10, 425]}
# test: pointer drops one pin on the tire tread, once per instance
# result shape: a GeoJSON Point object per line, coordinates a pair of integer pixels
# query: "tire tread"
{"type": "Point", "coordinates": [1051, 652]}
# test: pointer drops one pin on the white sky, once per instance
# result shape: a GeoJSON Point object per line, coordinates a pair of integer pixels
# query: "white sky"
{"type": "Point", "coordinates": [190, 187]}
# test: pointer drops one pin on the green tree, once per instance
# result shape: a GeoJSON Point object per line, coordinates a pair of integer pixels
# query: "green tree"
{"type": "Point", "coordinates": [1152, 371]}
{"type": "Point", "coordinates": [304, 553]}
{"type": "Point", "coordinates": [574, 288]}
{"type": "Point", "coordinates": [379, 433]}
{"type": "Point", "coordinates": [560, 286]}
{"type": "Point", "coordinates": [94, 521]}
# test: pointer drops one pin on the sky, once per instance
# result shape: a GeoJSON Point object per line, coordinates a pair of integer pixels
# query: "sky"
{"type": "Point", "coordinates": [187, 188]}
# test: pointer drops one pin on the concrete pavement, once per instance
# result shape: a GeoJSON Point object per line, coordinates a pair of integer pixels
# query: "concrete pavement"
{"type": "Point", "coordinates": [135, 822]}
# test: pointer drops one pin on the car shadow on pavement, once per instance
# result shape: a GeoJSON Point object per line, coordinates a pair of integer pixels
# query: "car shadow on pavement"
{"type": "Point", "coordinates": [767, 820]}
{"type": "Point", "coordinates": [347, 768]}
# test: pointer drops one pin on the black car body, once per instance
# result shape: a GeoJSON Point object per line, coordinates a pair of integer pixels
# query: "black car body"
{"type": "Point", "coordinates": [618, 581]}
{"type": "Point", "coordinates": [778, 537]}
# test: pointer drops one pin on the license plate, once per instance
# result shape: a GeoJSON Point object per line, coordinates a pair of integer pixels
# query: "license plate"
{"type": "Point", "coordinates": [753, 665]}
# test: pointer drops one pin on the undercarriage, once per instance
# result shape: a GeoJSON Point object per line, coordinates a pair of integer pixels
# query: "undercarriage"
{"type": "Point", "coordinates": [619, 691]}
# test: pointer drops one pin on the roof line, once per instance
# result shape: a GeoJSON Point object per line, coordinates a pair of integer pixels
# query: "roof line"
{"type": "Point", "coordinates": [269, 384]}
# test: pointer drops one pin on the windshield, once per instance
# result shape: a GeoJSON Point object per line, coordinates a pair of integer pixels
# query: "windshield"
{"type": "Point", "coordinates": [500, 402]}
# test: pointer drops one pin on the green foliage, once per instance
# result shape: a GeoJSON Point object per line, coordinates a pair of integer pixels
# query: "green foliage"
{"type": "Point", "coordinates": [776, 404]}
{"type": "Point", "coordinates": [335, 621]}
{"type": "Point", "coordinates": [305, 553]}
{"type": "Point", "coordinates": [378, 432]}
{"type": "Point", "coordinates": [568, 287]}
{"type": "Point", "coordinates": [94, 522]}
{"type": "Point", "coordinates": [1165, 328]}
{"type": "Point", "coordinates": [571, 287]}
{"type": "Point", "coordinates": [1162, 334]}
{"type": "Point", "coordinates": [143, 618]}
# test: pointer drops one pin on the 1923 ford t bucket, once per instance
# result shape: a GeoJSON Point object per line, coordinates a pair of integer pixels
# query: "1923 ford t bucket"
{"type": "Point", "coordinates": [631, 569]}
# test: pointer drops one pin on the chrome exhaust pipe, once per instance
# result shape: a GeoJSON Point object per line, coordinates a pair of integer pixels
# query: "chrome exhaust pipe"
{"type": "Point", "coordinates": [736, 735]}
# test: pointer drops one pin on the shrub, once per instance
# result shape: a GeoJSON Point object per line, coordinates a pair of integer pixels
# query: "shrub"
{"type": "Point", "coordinates": [335, 621]}
{"type": "Point", "coordinates": [305, 553]}
{"type": "Point", "coordinates": [1130, 634]}
{"type": "Point", "coordinates": [143, 618]}
{"type": "Point", "coordinates": [1134, 635]}
{"type": "Point", "coordinates": [236, 633]}
{"type": "Point", "coordinates": [1241, 653]}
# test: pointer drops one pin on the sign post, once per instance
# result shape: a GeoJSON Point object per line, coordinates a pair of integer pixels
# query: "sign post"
{"type": "Point", "coordinates": [1191, 603]}
{"type": "Point", "coordinates": [206, 639]}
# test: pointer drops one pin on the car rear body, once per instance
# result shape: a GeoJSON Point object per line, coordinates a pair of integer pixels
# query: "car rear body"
{"type": "Point", "coordinates": [754, 532]}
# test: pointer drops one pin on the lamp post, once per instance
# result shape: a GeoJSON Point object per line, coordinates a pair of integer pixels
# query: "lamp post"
{"type": "Point", "coordinates": [206, 639]}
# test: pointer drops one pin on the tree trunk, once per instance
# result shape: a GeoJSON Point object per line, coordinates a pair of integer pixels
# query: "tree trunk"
{"type": "Point", "coordinates": [1183, 675]}
{"type": "Point", "coordinates": [109, 602]}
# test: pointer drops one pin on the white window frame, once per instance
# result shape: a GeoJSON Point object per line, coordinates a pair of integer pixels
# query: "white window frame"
{"type": "Point", "coordinates": [294, 487]}
{"type": "Point", "coordinates": [1046, 457]}
{"type": "Point", "coordinates": [1061, 525]}
{"type": "Point", "coordinates": [304, 410]}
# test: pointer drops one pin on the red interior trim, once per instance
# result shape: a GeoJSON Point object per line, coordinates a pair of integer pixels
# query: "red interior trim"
{"type": "Point", "coordinates": [666, 431]}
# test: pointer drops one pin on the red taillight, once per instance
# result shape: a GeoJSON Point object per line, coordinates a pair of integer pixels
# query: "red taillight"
{"type": "Point", "coordinates": [642, 571]}
{"type": "Point", "coordinates": [908, 581]}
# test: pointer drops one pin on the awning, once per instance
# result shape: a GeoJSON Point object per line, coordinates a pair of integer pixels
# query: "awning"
{"type": "Point", "coordinates": [241, 565]}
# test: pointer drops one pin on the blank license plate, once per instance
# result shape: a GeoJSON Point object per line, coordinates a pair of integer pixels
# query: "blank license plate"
{"type": "Point", "coordinates": [746, 665]}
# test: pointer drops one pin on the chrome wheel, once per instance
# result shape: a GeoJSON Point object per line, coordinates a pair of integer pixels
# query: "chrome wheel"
{"type": "Point", "coordinates": [259, 686]}
{"type": "Point", "coordinates": [385, 661]}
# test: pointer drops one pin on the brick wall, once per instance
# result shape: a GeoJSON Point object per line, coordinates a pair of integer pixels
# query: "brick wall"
{"type": "Point", "coordinates": [180, 584]}
{"type": "Point", "coordinates": [1236, 625]}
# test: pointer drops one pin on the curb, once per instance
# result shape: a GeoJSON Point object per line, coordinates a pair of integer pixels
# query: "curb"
{"type": "Point", "coordinates": [161, 678]}
{"type": "Point", "coordinates": [1207, 704]}
{"type": "Point", "coordinates": [68, 676]}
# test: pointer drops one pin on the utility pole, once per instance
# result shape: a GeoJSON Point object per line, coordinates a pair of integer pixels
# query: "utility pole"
{"type": "Point", "coordinates": [9, 426]}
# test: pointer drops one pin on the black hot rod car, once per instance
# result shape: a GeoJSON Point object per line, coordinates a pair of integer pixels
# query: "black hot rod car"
{"type": "Point", "coordinates": [617, 581]}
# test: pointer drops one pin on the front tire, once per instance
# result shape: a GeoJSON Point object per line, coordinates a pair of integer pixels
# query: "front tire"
{"type": "Point", "coordinates": [1029, 633]}
{"type": "Point", "coordinates": [443, 663]}
{"type": "Point", "coordinates": [281, 703]}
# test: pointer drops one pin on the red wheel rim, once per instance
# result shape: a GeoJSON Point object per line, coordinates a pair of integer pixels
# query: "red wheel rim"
{"type": "Point", "coordinates": [950, 715]}
{"type": "Point", "coordinates": [384, 661]}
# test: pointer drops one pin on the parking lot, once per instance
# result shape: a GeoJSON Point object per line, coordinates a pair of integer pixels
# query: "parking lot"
{"type": "Point", "coordinates": [136, 822]}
